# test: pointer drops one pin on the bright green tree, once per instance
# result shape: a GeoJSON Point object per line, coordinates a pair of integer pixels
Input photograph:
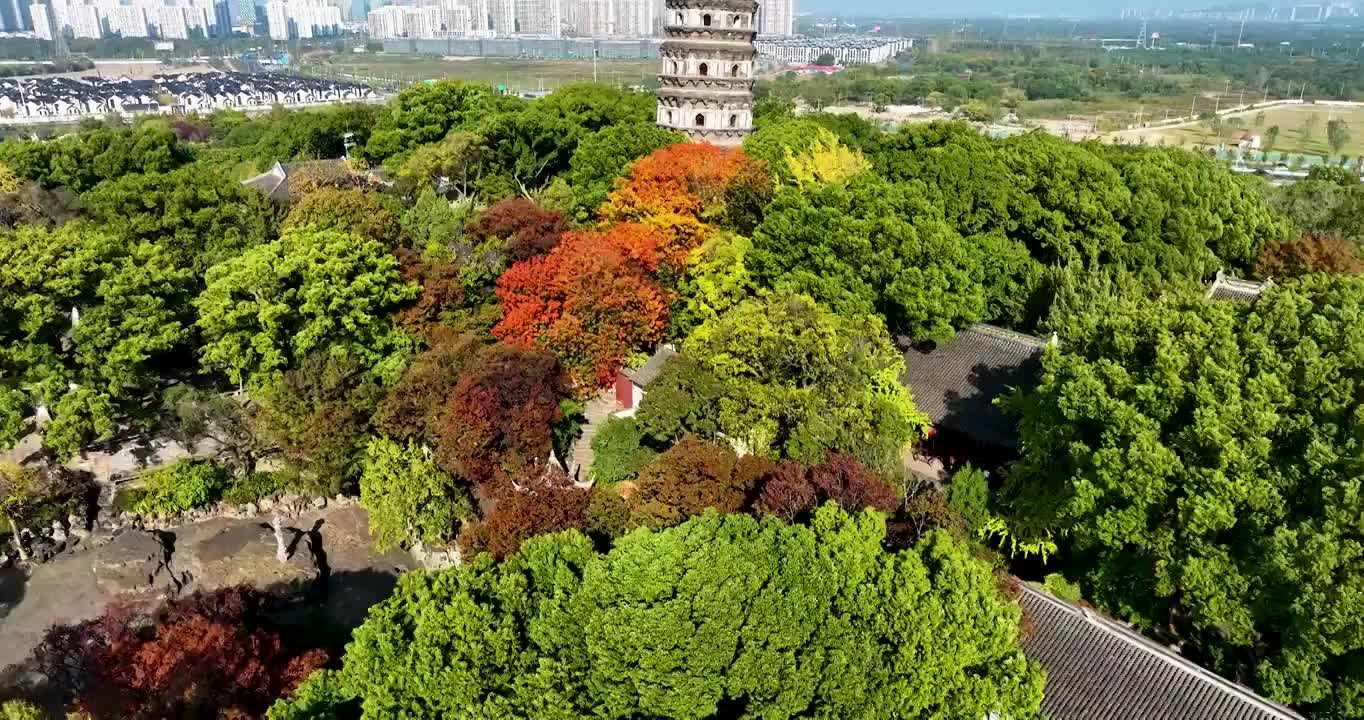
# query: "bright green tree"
{"type": "Point", "coordinates": [88, 322]}
{"type": "Point", "coordinates": [409, 499]}
{"type": "Point", "coordinates": [722, 615]}
{"type": "Point", "coordinates": [424, 114]}
{"type": "Point", "coordinates": [716, 280]}
{"type": "Point", "coordinates": [1189, 216]}
{"type": "Point", "coordinates": [200, 216]}
{"type": "Point", "coordinates": [1202, 460]}
{"type": "Point", "coordinates": [773, 140]}
{"type": "Point", "coordinates": [871, 247]}
{"type": "Point", "coordinates": [311, 290]}
{"type": "Point", "coordinates": [797, 380]}
{"type": "Point", "coordinates": [453, 166]}
{"type": "Point", "coordinates": [619, 452]}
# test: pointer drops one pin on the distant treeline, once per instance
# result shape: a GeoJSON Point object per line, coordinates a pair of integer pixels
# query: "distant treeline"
{"type": "Point", "coordinates": [51, 66]}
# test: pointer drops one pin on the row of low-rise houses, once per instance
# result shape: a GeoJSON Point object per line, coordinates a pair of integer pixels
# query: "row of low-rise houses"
{"type": "Point", "coordinates": [61, 97]}
{"type": "Point", "coordinates": [845, 49]}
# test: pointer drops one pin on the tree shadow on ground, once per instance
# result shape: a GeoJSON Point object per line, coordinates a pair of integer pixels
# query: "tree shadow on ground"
{"type": "Point", "coordinates": [12, 587]}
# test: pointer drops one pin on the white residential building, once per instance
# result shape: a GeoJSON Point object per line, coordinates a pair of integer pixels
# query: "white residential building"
{"type": "Point", "coordinates": [776, 17]}
{"type": "Point", "coordinates": [170, 23]}
{"type": "Point", "coordinates": [126, 21]}
{"type": "Point", "coordinates": [85, 22]}
{"type": "Point", "coordinates": [277, 19]}
{"type": "Point", "coordinates": [386, 23]}
{"type": "Point", "coordinates": [539, 17]}
{"type": "Point", "coordinates": [504, 16]}
{"type": "Point", "coordinates": [42, 21]}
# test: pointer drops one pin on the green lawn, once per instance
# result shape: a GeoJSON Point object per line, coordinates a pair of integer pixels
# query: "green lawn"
{"type": "Point", "coordinates": [519, 75]}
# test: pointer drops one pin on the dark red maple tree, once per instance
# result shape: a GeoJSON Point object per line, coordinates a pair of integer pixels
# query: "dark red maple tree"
{"type": "Point", "coordinates": [525, 229]}
{"type": "Point", "coordinates": [499, 422]}
{"type": "Point", "coordinates": [209, 655]}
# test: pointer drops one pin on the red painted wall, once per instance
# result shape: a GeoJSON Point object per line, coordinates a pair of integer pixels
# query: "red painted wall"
{"type": "Point", "coordinates": [624, 391]}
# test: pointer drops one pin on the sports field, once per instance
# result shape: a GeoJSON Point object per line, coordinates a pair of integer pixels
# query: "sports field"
{"type": "Point", "coordinates": [1302, 129]}
{"type": "Point", "coordinates": [518, 75]}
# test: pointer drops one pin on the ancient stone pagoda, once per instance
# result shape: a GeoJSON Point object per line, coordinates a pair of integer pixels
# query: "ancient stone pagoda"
{"type": "Point", "coordinates": [707, 69]}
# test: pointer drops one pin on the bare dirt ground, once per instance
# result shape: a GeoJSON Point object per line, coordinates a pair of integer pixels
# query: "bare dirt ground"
{"type": "Point", "coordinates": [333, 561]}
{"type": "Point", "coordinates": [130, 70]}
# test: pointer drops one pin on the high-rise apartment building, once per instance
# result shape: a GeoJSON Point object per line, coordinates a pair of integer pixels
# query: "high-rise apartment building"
{"type": "Point", "coordinates": [12, 18]}
{"type": "Point", "coordinates": [539, 17]}
{"type": "Point", "coordinates": [277, 19]}
{"type": "Point", "coordinates": [503, 14]}
{"type": "Point", "coordinates": [170, 23]}
{"type": "Point", "coordinates": [776, 17]}
{"type": "Point", "coordinates": [85, 22]}
{"type": "Point", "coordinates": [42, 21]}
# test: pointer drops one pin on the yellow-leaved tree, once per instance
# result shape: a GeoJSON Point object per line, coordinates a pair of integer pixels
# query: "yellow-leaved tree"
{"type": "Point", "coordinates": [825, 162]}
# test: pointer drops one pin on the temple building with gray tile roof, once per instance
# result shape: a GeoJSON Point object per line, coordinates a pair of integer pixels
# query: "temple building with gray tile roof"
{"type": "Point", "coordinates": [1100, 669]}
{"type": "Point", "coordinates": [955, 383]}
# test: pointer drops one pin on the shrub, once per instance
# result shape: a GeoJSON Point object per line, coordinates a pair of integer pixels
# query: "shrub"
{"type": "Point", "coordinates": [1058, 585]}
{"type": "Point", "coordinates": [969, 496]}
{"type": "Point", "coordinates": [618, 454]}
{"type": "Point", "coordinates": [20, 710]}
{"type": "Point", "coordinates": [256, 486]}
{"type": "Point", "coordinates": [184, 485]}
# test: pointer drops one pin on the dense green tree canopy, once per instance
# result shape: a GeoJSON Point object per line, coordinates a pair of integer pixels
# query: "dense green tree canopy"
{"type": "Point", "coordinates": [787, 377]}
{"type": "Point", "coordinates": [1203, 459]}
{"type": "Point", "coordinates": [88, 322]}
{"type": "Point", "coordinates": [721, 615]}
{"type": "Point", "coordinates": [871, 247]}
{"type": "Point", "coordinates": [424, 114]}
{"type": "Point", "coordinates": [1189, 216]}
{"type": "Point", "coordinates": [199, 216]}
{"type": "Point", "coordinates": [309, 291]}
{"type": "Point", "coordinates": [81, 161]}
{"type": "Point", "coordinates": [1329, 202]}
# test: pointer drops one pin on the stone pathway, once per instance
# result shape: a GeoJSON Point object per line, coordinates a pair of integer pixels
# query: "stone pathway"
{"type": "Point", "coordinates": [597, 412]}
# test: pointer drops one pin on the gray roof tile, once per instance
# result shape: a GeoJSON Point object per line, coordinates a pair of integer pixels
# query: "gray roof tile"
{"type": "Point", "coordinates": [956, 382]}
{"type": "Point", "coordinates": [648, 372]}
{"type": "Point", "coordinates": [1098, 669]}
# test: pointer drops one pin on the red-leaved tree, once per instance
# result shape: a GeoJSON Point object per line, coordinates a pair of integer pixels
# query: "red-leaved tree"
{"type": "Point", "coordinates": [791, 491]}
{"type": "Point", "coordinates": [525, 229]}
{"type": "Point", "coordinates": [499, 424]}
{"type": "Point", "coordinates": [442, 292]}
{"type": "Point", "coordinates": [208, 655]}
{"type": "Point", "coordinates": [588, 301]}
{"type": "Point", "coordinates": [413, 407]}
{"type": "Point", "coordinates": [691, 476]}
{"type": "Point", "coordinates": [539, 504]}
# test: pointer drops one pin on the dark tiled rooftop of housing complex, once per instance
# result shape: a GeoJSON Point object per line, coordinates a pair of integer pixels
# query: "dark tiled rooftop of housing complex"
{"type": "Point", "coordinates": [1098, 669]}
{"type": "Point", "coordinates": [50, 89]}
{"type": "Point", "coordinates": [956, 382]}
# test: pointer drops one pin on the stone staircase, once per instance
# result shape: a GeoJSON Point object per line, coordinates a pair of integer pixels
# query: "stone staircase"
{"type": "Point", "coordinates": [597, 412]}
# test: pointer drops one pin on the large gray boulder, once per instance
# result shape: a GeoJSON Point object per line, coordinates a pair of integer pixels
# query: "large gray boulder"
{"type": "Point", "coordinates": [135, 562]}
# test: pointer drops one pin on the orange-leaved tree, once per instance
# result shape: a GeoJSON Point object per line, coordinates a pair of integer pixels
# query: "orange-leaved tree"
{"type": "Point", "coordinates": [682, 189]}
{"type": "Point", "coordinates": [591, 301]}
